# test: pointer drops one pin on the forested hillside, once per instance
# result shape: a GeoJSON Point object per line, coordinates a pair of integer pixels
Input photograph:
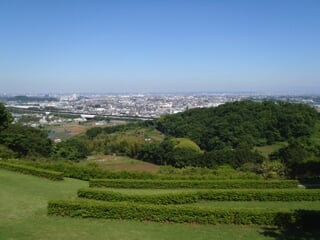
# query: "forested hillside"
{"type": "Point", "coordinates": [238, 123]}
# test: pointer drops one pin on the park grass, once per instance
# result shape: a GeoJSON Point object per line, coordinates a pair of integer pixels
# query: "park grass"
{"type": "Point", "coordinates": [23, 211]}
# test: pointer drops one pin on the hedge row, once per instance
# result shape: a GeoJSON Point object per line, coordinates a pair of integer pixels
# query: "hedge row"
{"type": "Point", "coordinates": [86, 172]}
{"type": "Point", "coordinates": [32, 171]}
{"type": "Point", "coordinates": [198, 184]}
{"type": "Point", "coordinates": [89, 171]}
{"type": "Point", "coordinates": [210, 195]}
{"type": "Point", "coordinates": [159, 213]}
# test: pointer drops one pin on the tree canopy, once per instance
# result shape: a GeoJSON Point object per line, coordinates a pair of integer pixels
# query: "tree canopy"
{"type": "Point", "coordinates": [243, 122]}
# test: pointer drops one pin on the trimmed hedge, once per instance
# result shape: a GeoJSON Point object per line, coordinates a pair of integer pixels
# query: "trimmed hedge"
{"type": "Point", "coordinates": [211, 195]}
{"type": "Point", "coordinates": [32, 171]}
{"type": "Point", "coordinates": [177, 214]}
{"type": "Point", "coordinates": [84, 172]}
{"type": "Point", "coordinates": [198, 184]}
{"type": "Point", "coordinates": [89, 171]}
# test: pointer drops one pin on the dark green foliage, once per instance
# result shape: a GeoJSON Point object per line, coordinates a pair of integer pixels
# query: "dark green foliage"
{"type": "Point", "coordinates": [120, 128]}
{"type": "Point", "coordinates": [200, 184]}
{"type": "Point", "coordinates": [26, 141]}
{"type": "Point", "coordinates": [93, 132]}
{"type": "Point", "coordinates": [301, 159]}
{"type": "Point", "coordinates": [310, 169]}
{"type": "Point", "coordinates": [6, 153]}
{"type": "Point", "coordinates": [52, 175]}
{"type": "Point", "coordinates": [160, 213]}
{"type": "Point", "coordinates": [71, 149]}
{"type": "Point", "coordinates": [244, 122]}
{"type": "Point", "coordinates": [177, 152]}
{"type": "Point", "coordinates": [5, 117]}
{"type": "Point", "coordinates": [233, 157]}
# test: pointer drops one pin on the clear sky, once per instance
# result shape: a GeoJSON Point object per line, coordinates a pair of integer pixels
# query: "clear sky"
{"type": "Point", "coordinates": [159, 46]}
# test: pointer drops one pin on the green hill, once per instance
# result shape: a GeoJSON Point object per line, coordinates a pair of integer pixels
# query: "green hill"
{"type": "Point", "coordinates": [244, 122]}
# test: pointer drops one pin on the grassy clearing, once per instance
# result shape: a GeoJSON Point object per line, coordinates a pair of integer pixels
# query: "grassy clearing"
{"type": "Point", "coordinates": [268, 149]}
{"type": "Point", "coordinates": [121, 163]}
{"type": "Point", "coordinates": [24, 200]}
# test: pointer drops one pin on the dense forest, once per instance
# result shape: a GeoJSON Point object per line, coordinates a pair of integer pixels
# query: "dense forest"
{"type": "Point", "coordinates": [238, 123]}
{"type": "Point", "coordinates": [229, 134]}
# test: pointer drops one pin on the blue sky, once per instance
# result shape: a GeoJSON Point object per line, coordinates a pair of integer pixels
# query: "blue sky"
{"type": "Point", "coordinates": [159, 46]}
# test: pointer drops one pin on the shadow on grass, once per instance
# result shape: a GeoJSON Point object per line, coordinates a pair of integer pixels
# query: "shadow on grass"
{"type": "Point", "coordinates": [305, 225]}
{"type": "Point", "coordinates": [291, 233]}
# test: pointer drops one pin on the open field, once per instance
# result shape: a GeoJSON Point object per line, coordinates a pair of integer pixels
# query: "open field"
{"type": "Point", "coordinates": [24, 200]}
{"type": "Point", "coordinates": [122, 163]}
{"type": "Point", "coordinates": [67, 130]}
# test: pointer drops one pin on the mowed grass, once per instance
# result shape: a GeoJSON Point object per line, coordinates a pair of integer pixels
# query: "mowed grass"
{"type": "Point", "coordinates": [23, 215]}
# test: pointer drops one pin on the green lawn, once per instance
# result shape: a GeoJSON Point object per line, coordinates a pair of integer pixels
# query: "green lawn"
{"type": "Point", "coordinates": [23, 202]}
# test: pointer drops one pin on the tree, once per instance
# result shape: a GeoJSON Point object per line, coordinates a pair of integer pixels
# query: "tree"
{"type": "Point", "coordinates": [26, 141]}
{"type": "Point", "coordinates": [71, 149]}
{"type": "Point", "coordinates": [5, 117]}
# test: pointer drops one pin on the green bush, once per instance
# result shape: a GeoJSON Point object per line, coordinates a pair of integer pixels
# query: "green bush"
{"type": "Point", "coordinates": [32, 171]}
{"type": "Point", "coordinates": [199, 184]}
{"type": "Point", "coordinates": [208, 195]}
{"type": "Point", "coordinates": [160, 213]}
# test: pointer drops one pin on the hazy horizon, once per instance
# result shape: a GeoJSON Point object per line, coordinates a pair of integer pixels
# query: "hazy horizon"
{"type": "Point", "coordinates": [97, 46]}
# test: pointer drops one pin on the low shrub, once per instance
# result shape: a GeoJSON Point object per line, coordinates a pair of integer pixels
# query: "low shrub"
{"type": "Point", "coordinates": [160, 213]}
{"type": "Point", "coordinates": [197, 184]}
{"type": "Point", "coordinates": [52, 175]}
{"type": "Point", "coordinates": [208, 195]}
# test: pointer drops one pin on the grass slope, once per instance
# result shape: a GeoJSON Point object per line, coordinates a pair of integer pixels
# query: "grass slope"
{"type": "Point", "coordinates": [121, 163]}
{"type": "Point", "coordinates": [23, 214]}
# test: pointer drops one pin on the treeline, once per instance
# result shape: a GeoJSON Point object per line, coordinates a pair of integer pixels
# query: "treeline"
{"type": "Point", "coordinates": [210, 137]}
{"type": "Point", "coordinates": [23, 98]}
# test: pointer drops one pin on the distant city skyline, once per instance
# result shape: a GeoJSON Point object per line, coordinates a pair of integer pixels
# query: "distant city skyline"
{"type": "Point", "coordinates": [267, 46]}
